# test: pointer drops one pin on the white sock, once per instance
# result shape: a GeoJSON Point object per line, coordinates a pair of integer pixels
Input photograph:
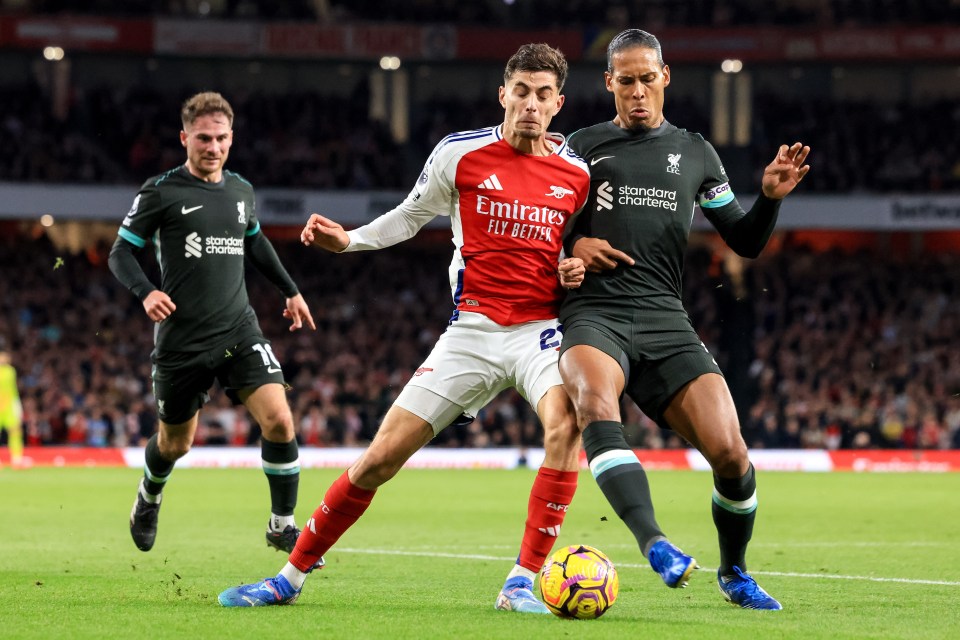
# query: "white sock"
{"type": "Point", "coordinates": [294, 576]}
{"type": "Point", "coordinates": [521, 571]}
{"type": "Point", "coordinates": [279, 523]}
{"type": "Point", "coordinates": [149, 497]}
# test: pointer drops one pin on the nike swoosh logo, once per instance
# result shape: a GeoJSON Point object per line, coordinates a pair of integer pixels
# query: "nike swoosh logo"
{"type": "Point", "coordinates": [185, 211]}
{"type": "Point", "coordinates": [274, 370]}
{"type": "Point", "coordinates": [596, 160]}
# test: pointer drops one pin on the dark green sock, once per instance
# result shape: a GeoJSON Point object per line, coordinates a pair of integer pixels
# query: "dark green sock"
{"type": "Point", "coordinates": [622, 480]}
{"type": "Point", "coordinates": [734, 511]}
{"type": "Point", "coordinates": [281, 464]}
{"type": "Point", "coordinates": [156, 468]}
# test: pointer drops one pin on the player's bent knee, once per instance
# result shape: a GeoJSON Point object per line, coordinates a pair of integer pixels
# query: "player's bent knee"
{"type": "Point", "coordinates": [730, 460]}
{"type": "Point", "coordinates": [593, 406]}
{"type": "Point", "coordinates": [174, 449]}
{"type": "Point", "coordinates": [279, 428]}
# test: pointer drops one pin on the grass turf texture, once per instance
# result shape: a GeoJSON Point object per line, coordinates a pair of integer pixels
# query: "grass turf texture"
{"type": "Point", "coordinates": [431, 553]}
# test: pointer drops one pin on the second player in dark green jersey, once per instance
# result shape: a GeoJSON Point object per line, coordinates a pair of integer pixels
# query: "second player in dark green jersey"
{"type": "Point", "coordinates": [201, 220]}
{"type": "Point", "coordinates": [200, 231]}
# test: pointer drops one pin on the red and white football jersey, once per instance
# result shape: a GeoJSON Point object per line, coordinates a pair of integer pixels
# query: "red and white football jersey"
{"type": "Point", "coordinates": [508, 211]}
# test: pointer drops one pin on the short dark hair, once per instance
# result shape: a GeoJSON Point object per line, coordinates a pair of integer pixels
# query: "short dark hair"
{"type": "Point", "coordinates": [537, 57]}
{"type": "Point", "coordinates": [204, 104]}
{"type": "Point", "coordinates": [633, 38]}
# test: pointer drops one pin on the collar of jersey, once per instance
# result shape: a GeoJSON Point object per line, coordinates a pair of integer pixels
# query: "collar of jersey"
{"type": "Point", "coordinates": [662, 130]}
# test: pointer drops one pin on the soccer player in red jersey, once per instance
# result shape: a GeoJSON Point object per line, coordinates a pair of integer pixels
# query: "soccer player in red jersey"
{"type": "Point", "coordinates": [509, 192]}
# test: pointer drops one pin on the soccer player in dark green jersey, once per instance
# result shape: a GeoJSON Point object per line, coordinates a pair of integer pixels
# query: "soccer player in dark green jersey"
{"type": "Point", "coordinates": [625, 328]}
{"type": "Point", "coordinates": [202, 222]}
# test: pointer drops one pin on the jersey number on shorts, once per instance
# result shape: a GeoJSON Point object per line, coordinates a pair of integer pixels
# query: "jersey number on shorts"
{"type": "Point", "coordinates": [269, 360]}
{"type": "Point", "coordinates": [547, 338]}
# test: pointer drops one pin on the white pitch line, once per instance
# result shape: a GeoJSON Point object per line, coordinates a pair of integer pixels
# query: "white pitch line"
{"type": "Point", "coordinates": [783, 574]}
{"type": "Point", "coordinates": [786, 574]}
{"type": "Point", "coordinates": [427, 554]}
{"type": "Point", "coordinates": [817, 545]}
{"type": "Point", "coordinates": [852, 543]}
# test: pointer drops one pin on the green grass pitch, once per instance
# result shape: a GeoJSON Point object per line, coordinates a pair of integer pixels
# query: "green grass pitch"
{"type": "Point", "coordinates": [848, 555]}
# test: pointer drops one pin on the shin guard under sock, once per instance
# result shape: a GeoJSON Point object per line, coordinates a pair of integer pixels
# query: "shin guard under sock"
{"type": "Point", "coordinates": [622, 479]}
{"type": "Point", "coordinates": [734, 512]}
{"type": "Point", "coordinates": [550, 496]}
{"type": "Point", "coordinates": [342, 505]}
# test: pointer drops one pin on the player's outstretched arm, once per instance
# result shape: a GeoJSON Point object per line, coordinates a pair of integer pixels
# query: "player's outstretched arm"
{"type": "Point", "coordinates": [747, 234]}
{"type": "Point", "coordinates": [324, 233]}
{"type": "Point", "coordinates": [298, 313]}
{"type": "Point", "coordinates": [781, 176]}
{"type": "Point", "coordinates": [597, 254]}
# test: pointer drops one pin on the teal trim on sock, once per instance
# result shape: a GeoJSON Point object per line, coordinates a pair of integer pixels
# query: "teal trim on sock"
{"type": "Point", "coordinates": [611, 459]}
{"type": "Point", "coordinates": [154, 478]}
{"type": "Point", "coordinates": [732, 507]}
{"type": "Point", "coordinates": [281, 472]}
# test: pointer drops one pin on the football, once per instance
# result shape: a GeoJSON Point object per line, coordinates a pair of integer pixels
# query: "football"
{"type": "Point", "coordinates": [579, 582]}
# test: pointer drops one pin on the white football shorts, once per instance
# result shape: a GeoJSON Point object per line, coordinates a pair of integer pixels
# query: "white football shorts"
{"type": "Point", "coordinates": [475, 359]}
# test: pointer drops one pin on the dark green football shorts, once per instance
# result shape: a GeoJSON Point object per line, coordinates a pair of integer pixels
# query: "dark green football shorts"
{"type": "Point", "coordinates": [659, 352]}
{"type": "Point", "coordinates": [181, 380]}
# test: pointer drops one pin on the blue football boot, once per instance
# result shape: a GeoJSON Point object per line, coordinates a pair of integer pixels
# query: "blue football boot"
{"type": "Point", "coordinates": [673, 565]}
{"type": "Point", "coordinates": [269, 591]}
{"type": "Point", "coordinates": [742, 590]}
{"type": "Point", "coordinates": [517, 595]}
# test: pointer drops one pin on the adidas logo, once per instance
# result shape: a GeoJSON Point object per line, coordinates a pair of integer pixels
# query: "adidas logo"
{"type": "Point", "coordinates": [604, 196]}
{"type": "Point", "coordinates": [550, 531]}
{"type": "Point", "coordinates": [194, 246]}
{"type": "Point", "coordinates": [491, 183]}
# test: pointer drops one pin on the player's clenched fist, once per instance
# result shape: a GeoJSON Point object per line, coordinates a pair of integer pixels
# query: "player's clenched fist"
{"type": "Point", "coordinates": [571, 272]}
{"type": "Point", "coordinates": [158, 305]}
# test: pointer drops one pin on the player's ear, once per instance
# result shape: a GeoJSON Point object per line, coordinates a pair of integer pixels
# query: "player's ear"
{"type": "Point", "coordinates": [560, 100]}
{"type": "Point", "coordinates": [502, 97]}
{"type": "Point", "coordinates": [666, 74]}
{"type": "Point", "coordinates": [608, 80]}
{"type": "Point", "coordinates": [183, 138]}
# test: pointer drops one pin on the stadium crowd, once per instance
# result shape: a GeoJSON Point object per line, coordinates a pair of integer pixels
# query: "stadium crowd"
{"type": "Point", "coordinates": [533, 13]}
{"type": "Point", "coordinates": [854, 351]}
{"type": "Point", "coordinates": [834, 351]}
{"type": "Point", "coordinates": [308, 140]}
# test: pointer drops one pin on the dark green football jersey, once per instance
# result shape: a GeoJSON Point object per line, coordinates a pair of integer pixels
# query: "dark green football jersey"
{"type": "Point", "coordinates": [198, 230]}
{"type": "Point", "coordinates": [644, 186]}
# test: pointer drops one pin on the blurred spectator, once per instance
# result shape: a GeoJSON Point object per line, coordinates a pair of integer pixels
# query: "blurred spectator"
{"type": "Point", "coordinates": [838, 350]}
{"type": "Point", "coordinates": [114, 136]}
{"type": "Point", "coordinates": [309, 140]}
{"type": "Point", "coordinates": [535, 13]}
{"type": "Point", "coordinates": [859, 347]}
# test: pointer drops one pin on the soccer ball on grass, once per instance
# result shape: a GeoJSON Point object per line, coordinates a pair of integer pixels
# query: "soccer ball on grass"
{"type": "Point", "coordinates": [579, 582]}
